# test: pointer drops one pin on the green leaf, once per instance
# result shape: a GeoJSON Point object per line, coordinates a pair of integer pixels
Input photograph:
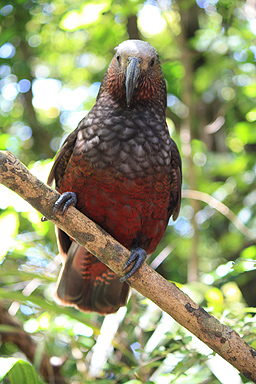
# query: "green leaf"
{"type": "Point", "coordinates": [18, 371]}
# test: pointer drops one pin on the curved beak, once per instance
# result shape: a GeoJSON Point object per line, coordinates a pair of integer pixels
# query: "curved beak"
{"type": "Point", "coordinates": [132, 74]}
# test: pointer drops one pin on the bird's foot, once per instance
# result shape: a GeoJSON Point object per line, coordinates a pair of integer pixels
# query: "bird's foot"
{"type": "Point", "coordinates": [63, 203]}
{"type": "Point", "coordinates": [138, 256]}
{"type": "Point", "coordinates": [66, 200]}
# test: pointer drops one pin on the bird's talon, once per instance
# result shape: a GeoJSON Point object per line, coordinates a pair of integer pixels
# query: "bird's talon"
{"type": "Point", "coordinates": [138, 256]}
{"type": "Point", "coordinates": [66, 200]}
{"type": "Point", "coordinates": [123, 279]}
{"type": "Point", "coordinates": [131, 259]}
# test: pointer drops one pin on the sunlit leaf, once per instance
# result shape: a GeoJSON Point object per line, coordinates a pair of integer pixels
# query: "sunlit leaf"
{"type": "Point", "coordinates": [18, 371]}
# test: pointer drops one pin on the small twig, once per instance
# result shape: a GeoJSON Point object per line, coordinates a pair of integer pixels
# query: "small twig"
{"type": "Point", "coordinates": [222, 339]}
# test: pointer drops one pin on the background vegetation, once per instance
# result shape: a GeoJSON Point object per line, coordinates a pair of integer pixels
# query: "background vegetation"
{"type": "Point", "coordinates": [53, 57]}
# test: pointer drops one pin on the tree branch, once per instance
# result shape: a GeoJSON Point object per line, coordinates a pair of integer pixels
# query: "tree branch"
{"type": "Point", "coordinates": [222, 339]}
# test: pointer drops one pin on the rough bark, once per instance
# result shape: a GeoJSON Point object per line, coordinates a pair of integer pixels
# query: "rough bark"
{"type": "Point", "coordinates": [221, 338]}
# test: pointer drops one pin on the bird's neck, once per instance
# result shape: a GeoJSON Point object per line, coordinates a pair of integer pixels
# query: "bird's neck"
{"type": "Point", "coordinates": [118, 101]}
{"type": "Point", "coordinates": [147, 95]}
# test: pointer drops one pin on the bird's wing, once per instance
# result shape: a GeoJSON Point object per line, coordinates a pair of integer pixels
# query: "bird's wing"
{"type": "Point", "coordinates": [62, 158]}
{"type": "Point", "coordinates": [176, 176]}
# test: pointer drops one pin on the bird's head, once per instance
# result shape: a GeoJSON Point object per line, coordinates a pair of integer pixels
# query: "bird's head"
{"type": "Point", "coordinates": [134, 75]}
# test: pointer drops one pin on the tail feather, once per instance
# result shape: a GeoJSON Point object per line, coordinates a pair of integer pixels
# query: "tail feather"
{"type": "Point", "coordinates": [88, 284]}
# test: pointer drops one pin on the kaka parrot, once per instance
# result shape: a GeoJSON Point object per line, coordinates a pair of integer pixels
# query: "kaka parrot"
{"type": "Point", "coordinates": [121, 169]}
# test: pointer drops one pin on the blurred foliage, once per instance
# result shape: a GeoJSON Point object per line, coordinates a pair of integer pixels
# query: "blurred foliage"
{"type": "Point", "coordinates": [53, 57]}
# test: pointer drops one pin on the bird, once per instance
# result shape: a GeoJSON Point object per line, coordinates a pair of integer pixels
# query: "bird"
{"type": "Point", "coordinates": [121, 169]}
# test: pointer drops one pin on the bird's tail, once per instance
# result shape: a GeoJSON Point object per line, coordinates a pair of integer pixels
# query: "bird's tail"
{"type": "Point", "coordinates": [88, 284]}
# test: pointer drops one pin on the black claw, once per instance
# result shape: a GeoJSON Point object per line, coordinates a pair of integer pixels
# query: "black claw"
{"type": "Point", "coordinates": [138, 256]}
{"type": "Point", "coordinates": [64, 202]}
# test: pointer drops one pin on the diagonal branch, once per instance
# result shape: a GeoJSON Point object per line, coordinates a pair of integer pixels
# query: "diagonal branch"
{"type": "Point", "coordinates": [222, 339]}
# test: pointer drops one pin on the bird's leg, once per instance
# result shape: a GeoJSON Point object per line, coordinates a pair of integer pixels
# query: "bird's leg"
{"type": "Point", "coordinates": [64, 202]}
{"type": "Point", "coordinates": [138, 256]}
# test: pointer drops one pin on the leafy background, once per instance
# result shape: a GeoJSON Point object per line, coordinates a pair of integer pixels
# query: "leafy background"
{"type": "Point", "coordinates": [53, 57]}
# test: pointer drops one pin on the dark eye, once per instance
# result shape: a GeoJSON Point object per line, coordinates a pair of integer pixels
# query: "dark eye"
{"type": "Point", "coordinates": [118, 58]}
{"type": "Point", "coordinates": [152, 63]}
